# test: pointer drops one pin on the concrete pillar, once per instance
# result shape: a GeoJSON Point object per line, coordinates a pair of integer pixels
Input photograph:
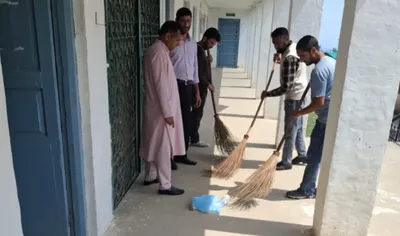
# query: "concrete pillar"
{"type": "Point", "coordinates": [304, 18]}
{"type": "Point", "coordinates": [361, 109]}
{"type": "Point", "coordinates": [248, 42]}
{"type": "Point", "coordinates": [251, 42]}
{"type": "Point", "coordinates": [280, 18]}
{"type": "Point", "coordinates": [267, 7]}
{"type": "Point", "coordinates": [257, 37]}
{"type": "Point", "coordinates": [244, 23]}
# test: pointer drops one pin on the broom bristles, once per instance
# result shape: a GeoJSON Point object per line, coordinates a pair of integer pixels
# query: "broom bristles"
{"type": "Point", "coordinates": [228, 167]}
{"type": "Point", "coordinates": [259, 184]}
{"type": "Point", "coordinates": [223, 138]}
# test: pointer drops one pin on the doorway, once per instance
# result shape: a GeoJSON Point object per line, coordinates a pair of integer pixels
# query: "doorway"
{"type": "Point", "coordinates": [229, 46]}
{"type": "Point", "coordinates": [42, 115]}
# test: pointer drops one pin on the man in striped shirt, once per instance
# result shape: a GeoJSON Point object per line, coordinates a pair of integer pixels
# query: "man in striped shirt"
{"type": "Point", "coordinates": [293, 81]}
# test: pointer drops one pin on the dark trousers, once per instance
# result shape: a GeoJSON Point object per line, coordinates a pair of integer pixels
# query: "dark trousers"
{"type": "Point", "coordinates": [197, 114]}
{"type": "Point", "coordinates": [186, 99]}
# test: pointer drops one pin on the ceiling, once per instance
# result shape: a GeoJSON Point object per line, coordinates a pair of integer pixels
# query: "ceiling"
{"type": "Point", "coordinates": [231, 4]}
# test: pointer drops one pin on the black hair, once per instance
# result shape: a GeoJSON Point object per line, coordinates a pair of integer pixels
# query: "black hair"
{"type": "Point", "coordinates": [169, 27]}
{"type": "Point", "coordinates": [307, 43]}
{"type": "Point", "coordinates": [212, 33]}
{"type": "Point", "coordinates": [278, 32]}
{"type": "Point", "coordinates": [184, 11]}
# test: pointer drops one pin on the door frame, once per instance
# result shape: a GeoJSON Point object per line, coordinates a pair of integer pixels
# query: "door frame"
{"type": "Point", "coordinates": [218, 64]}
{"type": "Point", "coordinates": [64, 39]}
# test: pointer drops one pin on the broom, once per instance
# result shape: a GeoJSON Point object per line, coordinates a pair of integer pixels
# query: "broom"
{"type": "Point", "coordinates": [258, 185]}
{"type": "Point", "coordinates": [223, 138]}
{"type": "Point", "coordinates": [227, 168]}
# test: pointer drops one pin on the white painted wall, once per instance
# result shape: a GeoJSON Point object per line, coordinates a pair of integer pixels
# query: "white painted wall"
{"type": "Point", "coordinates": [214, 14]}
{"type": "Point", "coordinates": [10, 216]}
{"type": "Point", "coordinates": [93, 91]}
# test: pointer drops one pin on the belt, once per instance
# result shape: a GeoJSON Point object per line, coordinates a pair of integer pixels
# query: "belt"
{"type": "Point", "coordinates": [185, 82]}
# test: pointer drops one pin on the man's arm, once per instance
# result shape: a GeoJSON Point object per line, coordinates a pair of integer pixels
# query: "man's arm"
{"type": "Point", "coordinates": [316, 103]}
{"type": "Point", "coordinates": [290, 66]}
{"type": "Point", "coordinates": [159, 68]}
{"type": "Point", "coordinates": [203, 66]}
{"type": "Point", "coordinates": [318, 91]}
{"type": "Point", "coordinates": [195, 67]}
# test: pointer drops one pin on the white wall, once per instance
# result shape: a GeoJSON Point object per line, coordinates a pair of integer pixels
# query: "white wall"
{"type": "Point", "coordinates": [214, 14]}
{"type": "Point", "coordinates": [10, 215]}
{"type": "Point", "coordinates": [93, 91]}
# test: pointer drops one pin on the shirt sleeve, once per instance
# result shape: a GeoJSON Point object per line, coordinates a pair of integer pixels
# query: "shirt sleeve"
{"type": "Point", "coordinates": [318, 83]}
{"type": "Point", "coordinates": [290, 66]}
{"type": "Point", "coordinates": [159, 66]}
{"type": "Point", "coordinates": [203, 66]}
{"type": "Point", "coordinates": [195, 67]}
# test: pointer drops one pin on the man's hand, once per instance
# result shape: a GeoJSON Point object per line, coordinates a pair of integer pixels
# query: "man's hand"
{"type": "Point", "coordinates": [277, 58]}
{"type": "Point", "coordinates": [170, 121]}
{"type": "Point", "coordinates": [264, 94]}
{"type": "Point", "coordinates": [296, 114]}
{"type": "Point", "coordinates": [197, 101]}
{"type": "Point", "coordinates": [210, 58]}
{"type": "Point", "coordinates": [211, 87]}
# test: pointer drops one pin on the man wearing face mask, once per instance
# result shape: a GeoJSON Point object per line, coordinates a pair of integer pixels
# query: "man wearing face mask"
{"type": "Point", "coordinates": [210, 38]}
{"type": "Point", "coordinates": [184, 60]}
{"type": "Point", "coordinates": [293, 80]}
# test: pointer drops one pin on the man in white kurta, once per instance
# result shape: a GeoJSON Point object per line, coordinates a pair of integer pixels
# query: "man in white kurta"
{"type": "Point", "coordinates": [162, 130]}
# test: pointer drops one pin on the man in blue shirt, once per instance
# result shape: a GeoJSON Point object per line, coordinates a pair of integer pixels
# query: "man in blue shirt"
{"type": "Point", "coordinates": [321, 85]}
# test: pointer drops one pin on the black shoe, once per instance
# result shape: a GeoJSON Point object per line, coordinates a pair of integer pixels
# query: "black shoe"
{"type": "Point", "coordinates": [185, 160]}
{"type": "Point", "coordinates": [299, 160]}
{"type": "Point", "coordinates": [174, 166]}
{"type": "Point", "coordinates": [171, 191]}
{"type": "Point", "coordinates": [282, 166]}
{"type": "Point", "coordinates": [147, 183]}
{"type": "Point", "coordinates": [297, 195]}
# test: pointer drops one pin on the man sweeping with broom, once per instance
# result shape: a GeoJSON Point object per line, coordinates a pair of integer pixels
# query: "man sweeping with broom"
{"type": "Point", "coordinates": [210, 38]}
{"type": "Point", "coordinates": [321, 81]}
{"type": "Point", "coordinates": [293, 83]}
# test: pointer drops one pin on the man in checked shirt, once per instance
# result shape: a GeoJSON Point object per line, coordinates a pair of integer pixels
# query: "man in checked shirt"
{"type": "Point", "coordinates": [293, 80]}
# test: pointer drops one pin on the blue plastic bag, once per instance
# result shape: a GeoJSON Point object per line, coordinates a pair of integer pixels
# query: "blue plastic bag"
{"type": "Point", "coordinates": [209, 203]}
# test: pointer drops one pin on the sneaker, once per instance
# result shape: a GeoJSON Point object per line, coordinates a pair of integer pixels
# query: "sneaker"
{"type": "Point", "coordinates": [297, 195]}
{"type": "Point", "coordinates": [200, 144]}
{"type": "Point", "coordinates": [299, 160]}
{"type": "Point", "coordinates": [282, 166]}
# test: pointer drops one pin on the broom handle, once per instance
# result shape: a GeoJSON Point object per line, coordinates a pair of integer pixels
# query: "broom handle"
{"type": "Point", "coordinates": [262, 100]}
{"type": "Point", "coordinates": [291, 122]}
{"type": "Point", "coordinates": [212, 93]}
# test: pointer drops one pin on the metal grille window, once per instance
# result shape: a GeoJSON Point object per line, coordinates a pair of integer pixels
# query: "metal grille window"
{"type": "Point", "coordinates": [129, 31]}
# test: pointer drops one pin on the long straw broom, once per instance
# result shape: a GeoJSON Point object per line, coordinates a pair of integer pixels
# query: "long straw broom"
{"type": "Point", "coordinates": [259, 184]}
{"type": "Point", "coordinates": [223, 138]}
{"type": "Point", "coordinates": [227, 168]}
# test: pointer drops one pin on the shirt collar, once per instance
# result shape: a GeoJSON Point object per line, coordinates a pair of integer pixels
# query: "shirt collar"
{"type": "Point", "coordinates": [288, 46]}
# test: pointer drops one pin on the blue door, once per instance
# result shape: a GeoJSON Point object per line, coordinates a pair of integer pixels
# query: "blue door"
{"type": "Point", "coordinates": [229, 46]}
{"type": "Point", "coordinates": [30, 80]}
